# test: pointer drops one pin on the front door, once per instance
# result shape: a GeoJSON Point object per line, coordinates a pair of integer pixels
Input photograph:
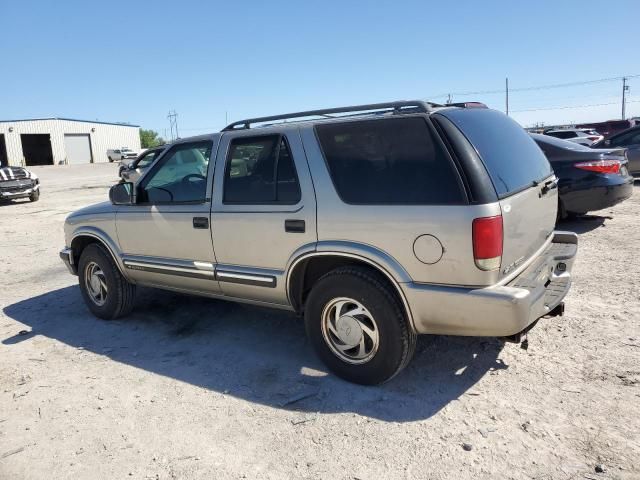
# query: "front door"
{"type": "Point", "coordinates": [166, 236]}
{"type": "Point", "coordinates": [264, 211]}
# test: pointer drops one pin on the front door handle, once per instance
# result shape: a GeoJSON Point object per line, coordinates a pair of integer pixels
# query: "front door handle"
{"type": "Point", "coordinates": [200, 222]}
{"type": "Point", "coordinates": [294, 226]}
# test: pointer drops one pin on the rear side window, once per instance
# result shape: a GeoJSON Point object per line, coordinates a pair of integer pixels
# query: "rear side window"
{"type": "Point", "coordinates": [509, 154]}
{"type": "Point", "coordinates": [388, 162]}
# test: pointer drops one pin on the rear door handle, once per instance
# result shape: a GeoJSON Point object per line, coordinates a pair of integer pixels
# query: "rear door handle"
{"type": "Point", "coordinates": [200, 222]}
{"type": "Point", "coordinates": [294, 226]}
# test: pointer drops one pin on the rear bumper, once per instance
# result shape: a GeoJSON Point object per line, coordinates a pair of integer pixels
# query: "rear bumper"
{"type": "Point", "coordinates": [66, 255]}
{"type": "Point", "coordinates": [499, 310]}
{"type": "Point", "coordinates": [606, 192]}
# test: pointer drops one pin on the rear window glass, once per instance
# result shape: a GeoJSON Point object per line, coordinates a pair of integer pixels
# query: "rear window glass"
{"type": "Point", "coordinates": [391, 161]}
{"type": "Point", "coordinates": [510, 155]}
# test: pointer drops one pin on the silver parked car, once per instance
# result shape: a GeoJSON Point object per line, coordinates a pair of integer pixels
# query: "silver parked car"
{"type": "Point", "coordinates": [581, 136]}
{"type": "Point", "coordinates": [376, 222]}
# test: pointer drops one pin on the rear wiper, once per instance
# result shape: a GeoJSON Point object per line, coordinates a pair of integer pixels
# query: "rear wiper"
{"type": "Point", "coordinates": [550, 185]}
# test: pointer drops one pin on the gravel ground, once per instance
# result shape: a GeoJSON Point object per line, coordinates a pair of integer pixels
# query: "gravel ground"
{"type": "Point", "coordinates": [198, 388]}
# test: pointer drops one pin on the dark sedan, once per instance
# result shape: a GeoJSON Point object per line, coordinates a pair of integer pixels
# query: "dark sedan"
{"type": "Point", "coordinates": [588, 179]}
{"type": "Point", "coordinates": [629, 139]}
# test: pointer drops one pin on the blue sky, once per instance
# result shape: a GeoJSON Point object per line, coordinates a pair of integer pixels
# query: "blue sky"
{"type": "Point", "coordinates": [134, 61]}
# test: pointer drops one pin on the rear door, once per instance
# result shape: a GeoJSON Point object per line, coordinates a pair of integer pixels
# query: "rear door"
{"type": "Point", "coordinates": [264, 210]}
{"type": "Point", "coordinates": [522, 178]}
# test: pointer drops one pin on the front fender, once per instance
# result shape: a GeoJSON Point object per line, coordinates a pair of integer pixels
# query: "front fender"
{"type": "Point", "coordinates": [103, 237]}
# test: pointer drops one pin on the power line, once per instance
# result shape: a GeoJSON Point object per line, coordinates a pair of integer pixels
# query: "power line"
{"type": "Point", "coordinates": [538, 87]}
{"type": "Point", "coordinates": [567, 107]}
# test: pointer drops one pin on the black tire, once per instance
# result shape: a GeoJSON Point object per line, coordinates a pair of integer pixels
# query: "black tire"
{"type": "Point", "coordinates": [396, 338]}
{"type": "Point", "coordinates": [35, 196]}
{"type": "Point", "coordinates": [110, 160]}
{"type": "Point", "coordinates": [120, 296]}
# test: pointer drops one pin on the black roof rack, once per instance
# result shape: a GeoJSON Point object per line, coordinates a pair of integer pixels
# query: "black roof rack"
{"type": "Point", "coordinates": [410, 106]}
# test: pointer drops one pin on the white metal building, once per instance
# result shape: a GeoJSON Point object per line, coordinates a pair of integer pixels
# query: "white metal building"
{"type": "Point", "coordinates": [54, 141]}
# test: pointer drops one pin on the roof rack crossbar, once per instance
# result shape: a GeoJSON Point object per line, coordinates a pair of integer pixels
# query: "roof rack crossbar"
{"type": "Point", "coordinates": [421, 106]}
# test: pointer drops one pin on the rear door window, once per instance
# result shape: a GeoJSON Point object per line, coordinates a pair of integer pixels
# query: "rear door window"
{"type": "Point", "coordinates": [388, 162]}
{"type": "Point", "coordinates": [509, 154]}
{"type": "Point", "coordinates": [260, 170]}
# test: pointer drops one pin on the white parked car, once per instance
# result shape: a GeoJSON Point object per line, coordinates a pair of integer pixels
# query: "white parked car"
{"type": "Point", "coordinates": [119, 154]}
{"type": "Point", "coordinates": [582, 136]}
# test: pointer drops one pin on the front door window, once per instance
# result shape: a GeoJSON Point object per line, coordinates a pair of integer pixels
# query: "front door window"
{"type": "Point", "coordinates": [180, 176]}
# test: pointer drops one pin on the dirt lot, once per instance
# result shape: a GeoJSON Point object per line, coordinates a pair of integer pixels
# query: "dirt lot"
{"type": "Point", "coordinates": [196, 388]}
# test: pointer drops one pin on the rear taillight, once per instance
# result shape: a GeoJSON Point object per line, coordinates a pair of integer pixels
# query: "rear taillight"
{"type": "Point", "coordinates": [487, 242]}
{"type": "Point", "coordinates": [600, 166]}
{"type": "Point", "coordinates": [593, 139]}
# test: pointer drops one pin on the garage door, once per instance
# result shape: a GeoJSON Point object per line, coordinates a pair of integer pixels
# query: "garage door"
{"type": "Point", "coordinates": [78, 148]}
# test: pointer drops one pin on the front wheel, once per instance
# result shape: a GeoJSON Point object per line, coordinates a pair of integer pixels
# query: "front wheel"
{"type": "Point", "coordinates": [357, 326]}
{"type": "Point", "coordinates": [35, 196]}
{"type": "Point", "coordinates": [105, 291]}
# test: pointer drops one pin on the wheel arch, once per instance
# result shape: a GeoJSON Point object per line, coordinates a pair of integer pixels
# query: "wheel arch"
{"type": "Point", "coordinates": [83, 238]}
{"type": "Point", "coordinates": [306, 269]}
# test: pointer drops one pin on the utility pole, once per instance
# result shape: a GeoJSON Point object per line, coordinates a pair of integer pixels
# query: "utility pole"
{"type": "Point", "coordinates": [506, 91]}
{"type": "Point", "coordinates": [449, 99]}
{"type": "Point", "coordinates": [625, 89]}
{"type": "Point", "coordinates": [173, 124]}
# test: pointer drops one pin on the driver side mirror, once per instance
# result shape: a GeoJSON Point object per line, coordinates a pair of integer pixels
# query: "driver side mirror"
{"type": "Point", "coordinates": [122, 194]}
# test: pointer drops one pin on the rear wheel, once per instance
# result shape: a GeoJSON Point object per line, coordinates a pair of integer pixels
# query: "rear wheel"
{"type": "Point", "coordinates": [357, 326]}
{"type": "Point", "coordinates": [105, 291]}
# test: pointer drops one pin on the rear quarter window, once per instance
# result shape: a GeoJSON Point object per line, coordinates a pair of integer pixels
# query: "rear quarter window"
{"type": "Point", "coordinates": [388, 162]}
{"type": "Point", "coordinates": [511, 157]}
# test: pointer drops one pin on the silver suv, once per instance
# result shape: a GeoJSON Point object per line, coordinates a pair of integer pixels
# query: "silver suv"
{"type": "Point", "coordinates": [376, 222]}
